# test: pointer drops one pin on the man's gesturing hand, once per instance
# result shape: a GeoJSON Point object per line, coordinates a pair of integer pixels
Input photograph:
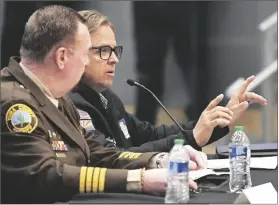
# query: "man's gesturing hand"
{"type": "Point", "coordinates": [210, 118]}
{"type": "Point", "coordinates": [239, 100]}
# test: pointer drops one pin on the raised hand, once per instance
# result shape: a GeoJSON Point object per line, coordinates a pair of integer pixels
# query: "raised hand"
{"type": "Point", "coordinates": [210, 118]}
{"type": "Point", "coordinates": [239, 100]}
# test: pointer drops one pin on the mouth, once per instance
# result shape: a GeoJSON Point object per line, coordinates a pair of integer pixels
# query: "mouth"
{"type": "Point", "coordinates": [110, 73]}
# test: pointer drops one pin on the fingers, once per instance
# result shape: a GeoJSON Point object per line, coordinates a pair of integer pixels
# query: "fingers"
{"type": "Point", "coordinates": [220, 116]}
{"type": "Point", "coordinates": [243, 106]}
{"type": "Point", "coordinates": [255, 98]}
{"type": "Point", "coordinates": [220, 112]}
{"type": "Point", "coordinates": [214, 102]}
{"type": "Point", "coordinates": [190, 151]}
{"type": "Point", "coordinates": [197, 159]}
{"type": "Point", "coordinates": [204, 158]}
{"type": "Point", "coordinates": [201, 160]}
{"type": "Point", "coordinates": [193, 165]}
{"type": "Point", "coordinates": [192, 184]}
{"type": "Point", "coordinates": [222, 109]}
{"type": "Point", "coordinates": [219, 122]}
{"type": "Point", "coordinates": [245, 85]}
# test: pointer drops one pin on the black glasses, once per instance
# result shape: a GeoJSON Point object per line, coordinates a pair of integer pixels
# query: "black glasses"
{"type": "Point", "coordinates": [106, 51]}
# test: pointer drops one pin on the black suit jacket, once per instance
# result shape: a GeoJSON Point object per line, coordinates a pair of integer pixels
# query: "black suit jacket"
{"type": "Point", "coordinates": [143, 136]}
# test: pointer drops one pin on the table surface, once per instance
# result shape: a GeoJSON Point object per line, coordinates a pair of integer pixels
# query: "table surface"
{"type": "Point", "coordinates": [258, 177]}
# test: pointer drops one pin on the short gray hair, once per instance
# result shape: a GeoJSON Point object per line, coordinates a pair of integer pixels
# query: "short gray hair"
{"type": "Point", "coordinates": [45, 28]}
{"type": "Point", "coordinates": [95, 19]}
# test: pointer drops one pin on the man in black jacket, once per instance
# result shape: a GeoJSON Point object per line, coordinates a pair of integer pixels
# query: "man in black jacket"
{"type": "Point", "coordinates": [102, 109]}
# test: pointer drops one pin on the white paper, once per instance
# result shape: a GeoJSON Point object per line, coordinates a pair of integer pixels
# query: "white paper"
{"type": "Point", "coordinates": [204, 172]}
{"type": "Point", "coordinates": [218, 163]}
{"type": "Point", "coordinates": [255, 162]}
{"type": "Point", "coordinates": [264, 162]}
{"type": "Point", "coordinates": [262, 194]}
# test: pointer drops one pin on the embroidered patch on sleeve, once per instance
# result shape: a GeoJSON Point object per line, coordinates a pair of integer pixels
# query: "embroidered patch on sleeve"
{"type": "Point", "coordinates": [83, 115]}
{"type": "Point", "coordinates": [85, 120]}
{"type": "Point", "coordinates": [21, 118]}
{"type": "Point", "coordinates": [87, 124]}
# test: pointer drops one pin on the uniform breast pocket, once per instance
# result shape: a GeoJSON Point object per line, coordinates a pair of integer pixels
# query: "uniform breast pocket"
{"type": "Point", "coordinates": [74, 155]}
{"type": "Point", "coordinates": [58, 144]}
{"type": "Point", "coordinates": [60, 148]}
{"type": "Point", "coordinates": [65, 150]}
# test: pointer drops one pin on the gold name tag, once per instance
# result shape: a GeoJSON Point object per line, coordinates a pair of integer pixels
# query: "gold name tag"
{"type": "Point", "coordinates": [60, 155]}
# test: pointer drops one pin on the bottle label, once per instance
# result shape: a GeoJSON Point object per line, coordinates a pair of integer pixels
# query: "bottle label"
{"type": "Point", "coordinates": [178, 167]}
{"type": "Point", "coordinates": [239, 151]}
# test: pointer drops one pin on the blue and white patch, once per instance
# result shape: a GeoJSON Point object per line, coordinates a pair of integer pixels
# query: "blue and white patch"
{"type": "Point", "coordinates": [123, 127]}
{"type": "Point", "coordinates": [85, 120]}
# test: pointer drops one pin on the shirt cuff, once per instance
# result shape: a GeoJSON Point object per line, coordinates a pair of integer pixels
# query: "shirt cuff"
{"type": "Point", "coordinates": [134, 181]}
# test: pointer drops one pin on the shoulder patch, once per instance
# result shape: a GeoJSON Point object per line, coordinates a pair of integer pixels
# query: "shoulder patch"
{"type": "Point", "coordinates": [83, 115]}
{"type": "Point", "coordinates": [87, 124]}
{"type": "Point", "coordinates": [21, 118]}
{"type": "Point", "coordinates": [85, 120]}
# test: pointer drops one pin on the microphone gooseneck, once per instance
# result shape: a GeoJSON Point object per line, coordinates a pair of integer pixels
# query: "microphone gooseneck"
{"type": "Point", "coordinates": [134, 83]}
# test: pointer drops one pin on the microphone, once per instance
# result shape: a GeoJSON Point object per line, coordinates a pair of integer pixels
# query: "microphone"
{"type": "Point", "coordinates": [134, 83]}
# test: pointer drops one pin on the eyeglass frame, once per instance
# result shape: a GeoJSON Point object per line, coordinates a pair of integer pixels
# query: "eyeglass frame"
{"type": "Point", "coordinates": [111, 50]}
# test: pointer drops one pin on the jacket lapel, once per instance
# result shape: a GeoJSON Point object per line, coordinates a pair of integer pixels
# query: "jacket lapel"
{"type": "Point", "coordinates": [114, 117]}
{"type": "Point", "coordinates": [47, 107]}
{"type": "Point", "coordinates": [111, 122]}
{"type": "Point", "coordinates": [82, 104]}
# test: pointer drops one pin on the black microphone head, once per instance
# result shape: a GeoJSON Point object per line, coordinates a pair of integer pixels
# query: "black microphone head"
{"type": "Point", "coordinates": [131, 82]}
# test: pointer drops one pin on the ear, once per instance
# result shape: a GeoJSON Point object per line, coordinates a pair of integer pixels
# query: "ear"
{"type": "Point", "coordinates": [61, 57]}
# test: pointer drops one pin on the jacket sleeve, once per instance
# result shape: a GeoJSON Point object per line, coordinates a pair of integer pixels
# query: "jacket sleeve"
{"type": "Point", "coordinates": [31, 172]}
{"type": "Point", "coordinates": [114, 157]}
{"type": "Point", "coordinates": [163, 145]}
{"type": "Point", "coordinates": [145, 136]}
{"type": "Point", "coordinates": [110, 157]}
{"type": "Point", "coordinates": [144, 132]}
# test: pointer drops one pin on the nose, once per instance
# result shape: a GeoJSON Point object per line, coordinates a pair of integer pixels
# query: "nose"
{"type": "Point", "coordinates": [113, 58]}
{"type": "Point", "coordinates": [86, 60]}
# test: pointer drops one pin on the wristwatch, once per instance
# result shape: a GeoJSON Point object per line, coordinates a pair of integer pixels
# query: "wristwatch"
{"type": "Point", "coordinates": [159, 160]}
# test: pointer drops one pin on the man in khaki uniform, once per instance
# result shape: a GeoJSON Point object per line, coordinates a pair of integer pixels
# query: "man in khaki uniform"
{"type": "Point", "coordinates": [46, 156]}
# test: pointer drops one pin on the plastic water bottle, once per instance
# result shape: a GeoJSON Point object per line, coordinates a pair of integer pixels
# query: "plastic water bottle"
{"type": "Point", "coordinates": [240, 154]}
{"type": "Point", "coordinates": [177, 178]}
